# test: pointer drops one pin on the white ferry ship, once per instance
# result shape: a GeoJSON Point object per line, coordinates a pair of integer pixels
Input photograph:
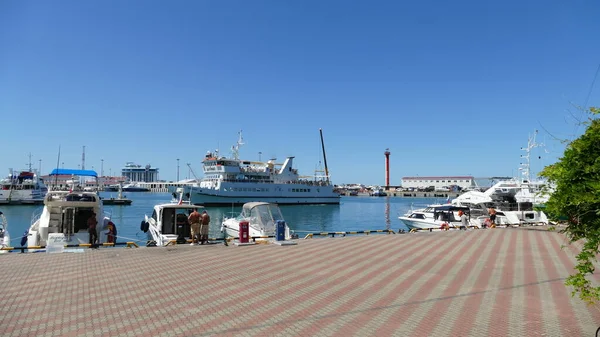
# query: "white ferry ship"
{"type": "Point", "coordinates": [22, 188]}
{"type": "Point", "coordinates": [232, 181]}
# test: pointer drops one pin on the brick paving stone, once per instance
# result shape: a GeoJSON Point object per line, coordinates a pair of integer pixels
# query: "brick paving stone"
{"type": "Point", "coordinates": [355, 285]}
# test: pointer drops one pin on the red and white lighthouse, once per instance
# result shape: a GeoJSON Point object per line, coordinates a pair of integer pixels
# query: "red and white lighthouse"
{"type": "Point", "coordinates": [387, 168]}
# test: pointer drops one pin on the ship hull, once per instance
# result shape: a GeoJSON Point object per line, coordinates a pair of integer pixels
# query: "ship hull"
{"type": "Point", "coordinates": [228, 196]}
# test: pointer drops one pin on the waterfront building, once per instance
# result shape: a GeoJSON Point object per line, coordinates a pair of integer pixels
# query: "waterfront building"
{"type": "Point", "coordinates": [438, 182]}
{"type": "Point", "coordinates": [139, 173]}
{"type": "Point", "coordinates": [168, 186]}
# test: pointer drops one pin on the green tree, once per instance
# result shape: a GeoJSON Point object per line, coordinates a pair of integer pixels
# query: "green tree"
{"type": "Point", "coordinates": [576, 198]}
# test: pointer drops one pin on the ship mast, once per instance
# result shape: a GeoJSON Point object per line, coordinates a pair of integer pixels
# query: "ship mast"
{"type": "Point", "coordinates": [526, 167]}
{"type": "Point", "coordinates": [236, 148]}
{"type": "Point", "coordinates": [324, 156]}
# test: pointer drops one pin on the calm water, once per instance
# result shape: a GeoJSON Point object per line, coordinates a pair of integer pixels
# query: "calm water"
{"type": "Point", "coordinates": [353, 214]}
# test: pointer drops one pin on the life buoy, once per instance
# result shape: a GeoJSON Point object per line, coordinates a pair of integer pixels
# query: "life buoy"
{"type": "Point", "coordinates": [144, 226]}
{"type": "Point", "coordinates": [112, 232]}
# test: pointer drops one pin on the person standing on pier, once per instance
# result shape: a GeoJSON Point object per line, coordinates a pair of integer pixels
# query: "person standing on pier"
{"type": "Point", "coordinates": [92, 222]}
{"type": "Point", "coordinates": [194, 220]}
{"type": "Point", "coordinates": [205, 220]}
{"type": "Point", "coordinates": [463, 220]}
{"type": "Point", "coordinates": [492, 213]}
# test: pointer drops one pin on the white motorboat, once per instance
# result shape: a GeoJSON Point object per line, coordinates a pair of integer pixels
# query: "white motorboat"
{"type": "Point", "coordinates": [436, 217]}
{"type": "Point", "coordinates": [234, 181]}
{"type": "Point", "coordinates": [262, 218]}
{"type": "Point", "coordinates": [4, 236]}
{"type": "Point", "coordinates": [63, 220]}
{"type": "Point", "coordinates": [515, 200]}
{"type": "Point", "coordinates": [22, 188]}
{"type": "Point", "coordinates": [379, 193]}
{"type": "Point", "coordinates": [168, 222]}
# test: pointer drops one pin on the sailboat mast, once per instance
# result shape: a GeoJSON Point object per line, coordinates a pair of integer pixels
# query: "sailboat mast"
{"type": "Point", "coordinates": [324, 156]}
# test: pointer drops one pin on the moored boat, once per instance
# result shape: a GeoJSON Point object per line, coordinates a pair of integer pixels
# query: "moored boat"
{"type": "Point", "coordinates": [4, 236]}
{"type": "Point", "coordinates": [24, 188]}
{"type": "Point", "coordinates": [168, 222]}
{"type": "Point", "coordinates": [64, 217]}
{"type": "Point", "coordinates": [437, 217]}
{"type": "Point", "coordinates": [263, 219]}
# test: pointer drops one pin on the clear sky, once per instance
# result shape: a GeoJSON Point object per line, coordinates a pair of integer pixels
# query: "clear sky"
{"type": "Point", "coordinates": [450, 87]}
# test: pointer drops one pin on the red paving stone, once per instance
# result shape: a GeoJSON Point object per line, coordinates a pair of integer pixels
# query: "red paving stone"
{"type": "Point", "coordinates": [498, 282]}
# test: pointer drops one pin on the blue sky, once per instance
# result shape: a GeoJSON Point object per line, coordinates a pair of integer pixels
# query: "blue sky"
{"type": "Point", "coordinates": [450, 88]}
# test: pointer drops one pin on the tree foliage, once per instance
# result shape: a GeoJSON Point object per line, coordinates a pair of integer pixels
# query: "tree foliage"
{"type": "Point", "coordinates": [576, 198]}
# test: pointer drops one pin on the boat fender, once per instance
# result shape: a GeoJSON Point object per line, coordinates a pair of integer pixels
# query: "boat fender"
{"type": "Point", "coordinates": [144, 226]}
{"type": "Point", "coordinates": [112, 228]}
{"type": "Point", "coordinates": [24, 239]}
{"type": "Point", "coordinates": [445, 226]}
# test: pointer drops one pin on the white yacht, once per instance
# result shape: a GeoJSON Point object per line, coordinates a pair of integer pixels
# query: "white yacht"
{"type": "Point", "coordinates": [263, 219]}
{"type": "Point", "coordinates": [516, 200]}
{"type": "Point", "coordinates": [4, 236]}
{"type": "Point", "coordinates": [22, 188]}
{"type": "Point", "coordinates": [232, 181]}
{"type": "Point", "coordinates": [168, 222]}
{"type": "Point", "coordinates": [436, 216]}
{"type": "Point", "coordinates": [63, 219]}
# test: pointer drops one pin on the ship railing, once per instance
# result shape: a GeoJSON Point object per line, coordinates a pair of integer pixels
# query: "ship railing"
{"type": "Point", "coordinates": [36, 216]}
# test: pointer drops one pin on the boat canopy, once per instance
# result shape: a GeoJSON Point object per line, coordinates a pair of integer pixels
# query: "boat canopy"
{"type": "Point", "coordinates": [262, 215]}
{"type": "Point", "coordinates": [451, 208]}
{"type": "Point", "coordinates": [84, 173]}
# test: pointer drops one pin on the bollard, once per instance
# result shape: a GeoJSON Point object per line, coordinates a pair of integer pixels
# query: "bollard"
{"type": "Point", "coordinates": [280, 230]}
{"type": "Point", "coordinates": [244, 236]}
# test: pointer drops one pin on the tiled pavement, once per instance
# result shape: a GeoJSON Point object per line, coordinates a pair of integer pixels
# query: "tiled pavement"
{"type": "Point", "coordinates": [500, 282]}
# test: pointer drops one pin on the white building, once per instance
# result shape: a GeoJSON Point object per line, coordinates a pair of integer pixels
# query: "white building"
{"type": "Point", "coordinates": [134, 172]}
{"type": "Point", "coordinates": [438, 182]}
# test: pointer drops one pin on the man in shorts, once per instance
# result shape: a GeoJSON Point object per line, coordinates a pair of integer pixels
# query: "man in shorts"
{"type": "Point", "coordinates": [205, 222]}
{"type": "Point", "coordinates": [194, 220]}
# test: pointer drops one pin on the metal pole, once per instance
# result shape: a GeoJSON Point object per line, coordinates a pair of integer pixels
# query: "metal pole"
{"type": "Point", "coordinates": [101, 167]}
{"type": "Point", "coordinates": [324, 156]}
{"type": "Point", "coordinates": [177, 169]}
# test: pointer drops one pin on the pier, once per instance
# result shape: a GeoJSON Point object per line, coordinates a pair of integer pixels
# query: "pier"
{"type": "Point", "coordinates": [496, 282]}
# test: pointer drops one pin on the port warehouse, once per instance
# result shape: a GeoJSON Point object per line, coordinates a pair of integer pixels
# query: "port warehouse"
{"type": "Point", "coordinates": [438, 182]}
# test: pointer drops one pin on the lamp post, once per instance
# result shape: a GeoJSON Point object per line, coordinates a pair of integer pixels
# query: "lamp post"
{"type": "Point", "coordinates": [259, 155]}
{"type": "Point", "coordinates": [177, 169]}
{"type": "Point", "coordinates": [102, 167]}
{"type": "Point", "coordinates": [40, 168]}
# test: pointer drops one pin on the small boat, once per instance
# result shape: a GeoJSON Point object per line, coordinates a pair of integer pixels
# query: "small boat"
{"type": "Point", "coordinates": [63, 220]}
{"type": "Point", "coordinates": [262, 218]}
{"type": "Point", "coordinates": [436, 217]}
{"type": "Point", "coordinates": [134, 187]}
{"type": "Point", "coordinates": [4, 236]}
{"type": "Point", "coordinates": [119, 200]}
{"type": "Point", "coordinates": [379, 193]}
{"type": "Point", "coordinates": [168, 222]}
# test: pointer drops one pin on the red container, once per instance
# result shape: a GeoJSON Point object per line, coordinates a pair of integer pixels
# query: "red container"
{"type": "Point", "coordinates": [244, 233]}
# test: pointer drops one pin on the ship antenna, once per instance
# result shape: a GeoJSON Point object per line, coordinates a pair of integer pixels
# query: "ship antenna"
{"type": "Point", "coordinates": [57, 163]}
{"type": "Point", "coordinates": [236, 148]}
{"type": "Point", "coordinates": [324, 156]}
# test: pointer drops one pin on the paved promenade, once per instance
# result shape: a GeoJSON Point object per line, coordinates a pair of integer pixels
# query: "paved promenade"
{"type": "Point", "coordinates": [500, 282]}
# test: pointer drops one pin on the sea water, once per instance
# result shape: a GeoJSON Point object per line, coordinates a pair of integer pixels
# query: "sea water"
{"type": "Point", "coordinates": [354, 213]}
